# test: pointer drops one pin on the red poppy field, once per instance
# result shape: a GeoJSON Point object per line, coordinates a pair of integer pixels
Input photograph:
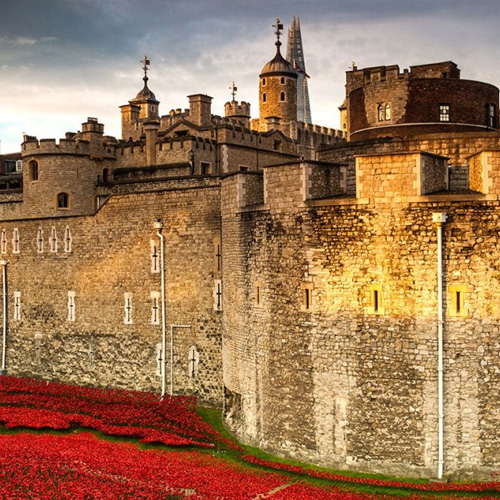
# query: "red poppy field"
{"type": "Point", "coordinates": [195, 461]}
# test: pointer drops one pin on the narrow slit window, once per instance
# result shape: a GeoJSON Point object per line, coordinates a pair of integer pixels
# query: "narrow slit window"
{"type": "Point", "coordinates": [217, 255]}
{"type": "Point", "coordinates": [127, 319]}
{"type": "Point", "coordinates": [4, 241]}
{"type": "Point", "coordinates": [376, 302]}
{"type": "Point", "coordinates": [155, 257]}
{"type": "Point", "coordinates": [15, 241]}
{"type": "Point", "coordinates": [53, 240]}
{"type": "Point", "coordinates": [17, 305]}
{"type": "Point", "coordinates": [307, 297]}
{"type": "Point", "coordinates": [39, 240]}
{"type": "Point", "coordinates": [282, 96]}
{"type": "Point", "coordinates": [457, 305]}
{"type": "Point", "coordinates": [257, 295]}
{"type": "Point", "coordinates": [193, 360]}
{"type": "Point", "coordinates": [218, 295]}
{"type": "Point", "coordinates": [71, 306]}
{"type": "Point", "coordinates": [68, 240]}
{"type": "Point", "coordinates": [155, 308]}
{"type": "Point", "coordinates": [264, 97]}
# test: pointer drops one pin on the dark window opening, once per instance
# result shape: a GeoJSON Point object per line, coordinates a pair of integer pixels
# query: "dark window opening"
{"type": "Point", "coordinates": [264, 97]}
{"type": "Point", "coordinates": [282, 80]}
{"type": "Point", "coordinates": [205, 168]}
{"type": "Point", "coordinates": [282, 96]}
{"type": "Point", "coordinates": [458, 302]}
{"type": "Point", "coordinates": [34, 170]}
{"type": "Point", "coordinates": [62, 200]}
{"type": "Point", "coordinates": [376, 301]}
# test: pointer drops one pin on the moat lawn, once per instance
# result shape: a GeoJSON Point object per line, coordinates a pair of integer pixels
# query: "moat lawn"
{"type": "Point", "coordinates": [68, 442]}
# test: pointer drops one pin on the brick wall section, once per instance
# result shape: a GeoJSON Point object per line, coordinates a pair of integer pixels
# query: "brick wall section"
{"type": "Point", "coordinates": [484, 171]}
{"type": "Point", "coordinates": [433, 174]}
{"type": "Point", "coordinates": [111, 255]}
{"type": "Point", "coordinates": [324, 181]}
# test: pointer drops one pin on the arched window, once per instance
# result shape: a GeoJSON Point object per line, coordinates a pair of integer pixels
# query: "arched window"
{"type": "Point", "coordinates": [264, 97]}
{"type": "Point", "coordinates": [33, 170]}
{"type": "Point", "coordinates": [380, 110]}
{"type": "Point", "coordinates": [387, 111]}
{"type": "Point", "coordinates": [263, 82]}
{"type": "Point", "coordinates": [282, 80]}
{"type": "Point", "coordinates": [282, 96]}
{"type": "Point", "coordinates": [63, 200]}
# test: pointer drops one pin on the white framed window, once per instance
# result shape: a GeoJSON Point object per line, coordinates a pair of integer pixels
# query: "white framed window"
{"type": "Point", "coordinates": [53, 240]}
{"type": "Point", "coordinates": [380, 112]}
{"type": "Point", "coordinates": [3, 241]}
{"type": "Point", "coordinates": [127, 318]}
{"type": "Point", "coordinates": [68, 240]}
{"type": "Point", "coordinates": [444, 112]}
{"type": "Point", "coordinates": [17, 305]}
{"type": "Point", "coordinates": [155, 308]}
{"type": "Point", "coordinates": [39, 240]}
{"type": "Point", "coordinates": [155, 257]}
{"type": "Point", "coordinates": [193, 360]}
{"type": "Point", "coordinates": [387, 111]}
{"type": "Point", "coordinates": [492, 115]}
{"type": "Point", "coordinates": [71, 306]}
{"type": "Point", "coordinates": [217, 295]}
{"type": "Point", "coordinates": [217, 255]}
{"type": "Point", "coordinates": [15, 241]}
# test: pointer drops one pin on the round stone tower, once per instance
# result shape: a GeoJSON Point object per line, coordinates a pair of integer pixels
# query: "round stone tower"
{"type": "Point", "coordinates": [277, 89]}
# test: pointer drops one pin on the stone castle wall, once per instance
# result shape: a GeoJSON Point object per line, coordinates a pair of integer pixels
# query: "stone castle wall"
{"type": "Point", "coordinates": [342, 381]}
{"type": "Point", "coordinates": [110, 256]}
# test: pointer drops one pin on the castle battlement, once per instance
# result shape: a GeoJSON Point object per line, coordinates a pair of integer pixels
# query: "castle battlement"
{"type": "Point", "coordinates": [233, 108]}
{"type": "Point", "coordinates": [50, 146]}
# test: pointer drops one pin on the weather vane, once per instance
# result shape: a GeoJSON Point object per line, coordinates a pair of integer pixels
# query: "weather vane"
{"type": "Point", "coordinates": [278, 27]}
{"type": "Point", "coordinates": [146, 62]}
{"type": "Point", "coordinates": [233, 88]}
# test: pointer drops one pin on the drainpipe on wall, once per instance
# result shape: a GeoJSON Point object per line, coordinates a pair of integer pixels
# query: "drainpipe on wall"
{"type": "Point", "coordinates": [4, 263]}
{"type": "Point", "coordinates": [439, 219]}
{"type": "Point", "coordinates": [159, 226]}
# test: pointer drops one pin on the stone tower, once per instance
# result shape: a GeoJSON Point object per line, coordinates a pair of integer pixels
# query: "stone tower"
{"type": "Point", "coordinates": [143, 108]}
{"type": "Point", "coordinates": [295, 56]}
{"type": "Point", "coordinates": [277, 90]}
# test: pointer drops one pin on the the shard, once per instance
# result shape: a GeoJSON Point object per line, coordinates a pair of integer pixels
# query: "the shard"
{"type": "Point", "coordinates": [295, 55]}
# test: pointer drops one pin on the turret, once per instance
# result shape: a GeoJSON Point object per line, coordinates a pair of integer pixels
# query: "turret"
{"type": "Point", "coordinates": [278, 88]}
{"type": "Point", "coordinates": [237, 111]}
{"type": "Point", "coordinates": [143, 108]}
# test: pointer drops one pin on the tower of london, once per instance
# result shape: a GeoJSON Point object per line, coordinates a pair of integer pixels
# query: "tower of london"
{"type": "Point", "coordinates": [336, 292]}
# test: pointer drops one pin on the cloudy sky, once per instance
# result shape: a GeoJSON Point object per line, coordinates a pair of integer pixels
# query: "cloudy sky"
{"type": "Point", "coordinates": [64, 60]}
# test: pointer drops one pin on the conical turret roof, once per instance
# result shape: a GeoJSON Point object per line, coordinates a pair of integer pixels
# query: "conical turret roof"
{"type": "Point", "coordinates": [278, 65]}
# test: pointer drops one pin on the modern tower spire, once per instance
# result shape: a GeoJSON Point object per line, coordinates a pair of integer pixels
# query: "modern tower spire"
{"type": "Point", "coordinates": [295, 56]}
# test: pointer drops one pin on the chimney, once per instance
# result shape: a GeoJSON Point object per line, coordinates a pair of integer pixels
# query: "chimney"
{"type": "Point", "coordinates": [92, 131]}
{"type": "Point", "coordinates": [200, 109]}
{"type": "Point", "coordinates": [151, 130]}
